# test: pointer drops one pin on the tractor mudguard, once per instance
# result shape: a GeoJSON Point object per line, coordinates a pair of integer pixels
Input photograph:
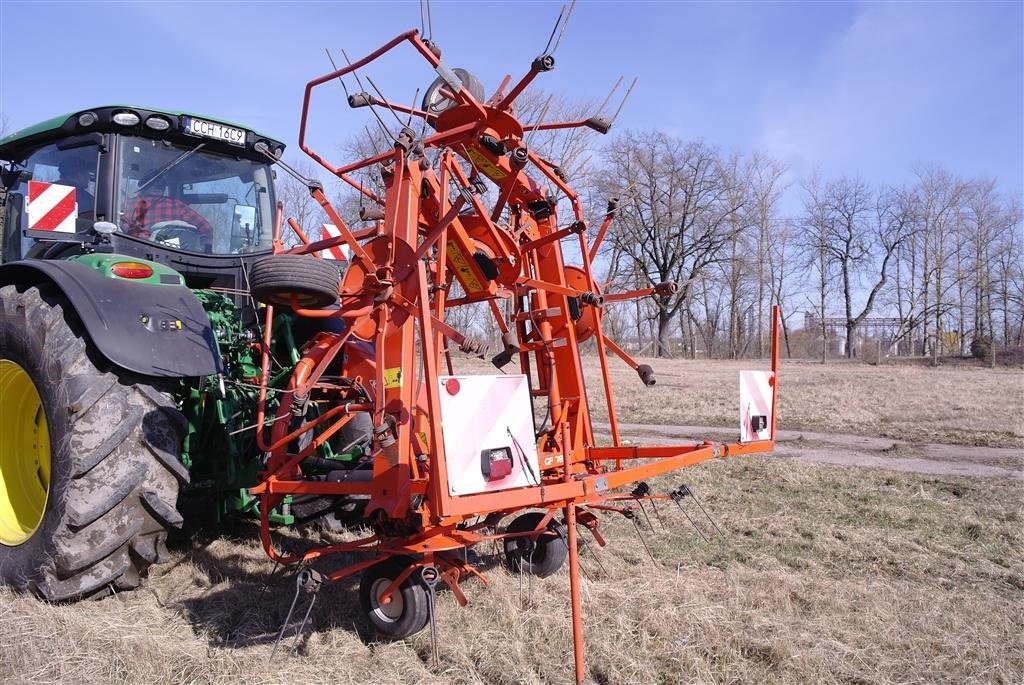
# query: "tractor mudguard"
{"type": "Point", "coordinates": [155, 330]}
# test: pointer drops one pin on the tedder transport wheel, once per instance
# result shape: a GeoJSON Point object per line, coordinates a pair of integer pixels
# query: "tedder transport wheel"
{"type": "Point", "coordinates": [540, 557]}
{"type": "Point", "coordinates": [407, 612]}
{"type": "Point", "coordinates": [314, 282]}
{"type": "Point", "coordinates": [89, 458]}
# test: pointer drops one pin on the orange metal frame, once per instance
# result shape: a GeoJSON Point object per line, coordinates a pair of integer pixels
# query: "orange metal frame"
{"type": "Point", "coordinates": [394, 298]}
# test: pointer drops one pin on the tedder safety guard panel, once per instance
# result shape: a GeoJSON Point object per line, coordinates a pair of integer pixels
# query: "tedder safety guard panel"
{"type": "Point", "coordinates": [489, 442]}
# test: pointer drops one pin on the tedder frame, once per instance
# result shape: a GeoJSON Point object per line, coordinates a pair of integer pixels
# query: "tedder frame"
{"type": "Point", "coordinates": [387, 350]}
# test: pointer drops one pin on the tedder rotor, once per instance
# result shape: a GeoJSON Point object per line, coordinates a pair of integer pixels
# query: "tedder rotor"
{"type": "Point", "coordinates": [448, 457]}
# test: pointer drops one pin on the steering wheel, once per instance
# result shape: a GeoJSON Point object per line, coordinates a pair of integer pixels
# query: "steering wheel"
{"type": "Point", "coordinates": [178, 234]}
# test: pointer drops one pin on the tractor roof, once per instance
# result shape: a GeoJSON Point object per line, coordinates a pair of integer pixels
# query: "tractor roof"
{"type": "Point", "coordinates": [14, 144]}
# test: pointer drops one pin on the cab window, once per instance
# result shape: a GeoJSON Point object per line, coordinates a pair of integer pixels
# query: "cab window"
{"type": "Point", "coordinates": [192, 199]}
{"type": "Point", "coordinates": [75, 167]}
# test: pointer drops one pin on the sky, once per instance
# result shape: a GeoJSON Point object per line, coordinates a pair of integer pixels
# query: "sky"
{"type": "Point", "coordinates": [863, 89]}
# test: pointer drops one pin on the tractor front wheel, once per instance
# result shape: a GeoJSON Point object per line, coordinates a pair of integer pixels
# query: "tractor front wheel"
{"type": "Point", "coordinates": [89, 458]}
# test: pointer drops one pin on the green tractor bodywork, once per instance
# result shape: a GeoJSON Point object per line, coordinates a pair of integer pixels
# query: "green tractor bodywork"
{"type": "Point", "coordinates": [163, 308]}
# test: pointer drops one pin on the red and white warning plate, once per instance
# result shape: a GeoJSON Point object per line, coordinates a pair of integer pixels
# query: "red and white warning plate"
{"type": "Point", "coordinates": [51, 207]}
{"type": "Point", "coordinates": [756, 405]}
{"type": "Point", "coordinates": [338, 252]}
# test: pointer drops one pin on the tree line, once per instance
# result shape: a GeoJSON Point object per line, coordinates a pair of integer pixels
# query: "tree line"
{"type": "Point", "coordinates": [934, 266]}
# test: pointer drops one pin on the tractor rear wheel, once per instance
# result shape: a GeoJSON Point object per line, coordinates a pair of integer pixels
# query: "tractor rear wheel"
{"type": "Point", "coordinates": [89, 458]}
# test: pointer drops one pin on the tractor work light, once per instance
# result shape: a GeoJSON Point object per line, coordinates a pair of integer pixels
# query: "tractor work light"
{"type": "Point", "coordinates": [158, 123]}
{"type": "Point", "coordinates": [126, 118]}
{"type": "Point", "coordinates": [87, 119]}
{"type": "Point", "coordinates": [131, 270]}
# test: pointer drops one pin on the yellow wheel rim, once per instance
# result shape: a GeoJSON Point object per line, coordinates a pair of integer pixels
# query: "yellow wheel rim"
{"type": "Point", "coordinates": [24, 455]}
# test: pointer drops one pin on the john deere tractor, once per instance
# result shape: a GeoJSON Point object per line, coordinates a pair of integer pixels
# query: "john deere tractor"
{"type": "Point", "coordinates": [129, 343]}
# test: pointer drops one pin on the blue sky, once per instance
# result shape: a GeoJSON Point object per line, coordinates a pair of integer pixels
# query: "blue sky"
{"type": "Point", "coordinates": [867, 89]}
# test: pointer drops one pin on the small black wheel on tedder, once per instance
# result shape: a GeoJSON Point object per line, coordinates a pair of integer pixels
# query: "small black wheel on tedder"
{"type": "Point", "coordinates": [540, 556]}
{"type": "Point", "coordinates": [408, 610]}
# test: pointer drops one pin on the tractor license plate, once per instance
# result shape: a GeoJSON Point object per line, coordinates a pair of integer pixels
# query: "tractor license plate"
{"type": "Point", "coordinates": [210, 129]}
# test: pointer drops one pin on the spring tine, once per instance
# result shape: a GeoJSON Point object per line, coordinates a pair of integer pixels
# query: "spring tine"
{"type": "Point", "coordinates": [554, 29]}
{"type": "Point", "coordinates": [335, 67]}
{"type": "Point", "coordinates": [609, 96]}
{"type": "Point", "coordinates": [373, 142]}
{"type": "Point", "coordinates": [529, 580]}
{"type": "Point", "coordinates": [540, 120]}
{"type": "Point", "coordinates": [287, 618]}
{"type": "Point", "coordinates": [354, 72]}
{"type": "Point", "coordinates": [564, 25]}
{"type": "Point", "coordinates": [644, 510]}
{"type": "Point", "coordinates": [266, 584]}
{"type": "Point", "coordinates": [302, 626]}
{"type": "Point", "coordinates": [430, 576]}
{"type": "Point", "coordinates": [373, 111]}
{"type": "Point", "coordinates": [385, 101]}
{"type": "Point", "coordinates": [624, 98]}
{"type": "Point", "coordinates": [692, 522]}
{"type": "Point", "coordinates": [658, 514]}
{"type": "Point", "coordinates": [599, 562]}
{"type": "Point", "coordinates": [435, 658]}
{"type": "Point", "coordinates": [415, 97]}
{"type": "Point", "coordinates": [638, 532]}
{"type": "Point", "coordinates": [521, 560]}
{"type": "Point", "coordinates": [707, 514]}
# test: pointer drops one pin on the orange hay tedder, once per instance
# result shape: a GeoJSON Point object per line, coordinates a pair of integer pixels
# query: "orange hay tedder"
{"type": "Point", "coordinates": [453, 456]}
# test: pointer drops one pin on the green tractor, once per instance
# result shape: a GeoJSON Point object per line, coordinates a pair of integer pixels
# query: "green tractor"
{"type": "Point", "coordinates": [129, 341]}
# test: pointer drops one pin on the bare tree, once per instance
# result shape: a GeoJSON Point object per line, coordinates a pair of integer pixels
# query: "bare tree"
{"type": "Point", "coordinates": [737, 268]}
{"type": "Point", "coordinates": [940, 194]}
{"type": "Point", "coordinates": [812, 245]}
{"type": "Point", "coordinates": [676, 221]}
{"type": "Point", "coordinates": [780, 256]}
{"type": "Point", "coordinates": [857, 232]}
{"type": "Point", "coordinates": [766, 189]}
{"type": "Point", "coordinates": [298, 204]}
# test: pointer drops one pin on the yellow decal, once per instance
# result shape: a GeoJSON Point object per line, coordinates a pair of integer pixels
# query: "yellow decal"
{"type": "Point", "coordinates": [480, 161]}
{"type": "Point", "coordinates": [393, 378]}
{"type": "Point", "coordinates": [466, 277]}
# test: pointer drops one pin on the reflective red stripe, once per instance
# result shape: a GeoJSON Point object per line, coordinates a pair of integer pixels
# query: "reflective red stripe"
{"type": "Point", "coordinates": [60, 212]}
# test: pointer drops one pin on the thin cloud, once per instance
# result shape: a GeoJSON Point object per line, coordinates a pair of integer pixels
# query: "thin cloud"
{"type": "Point", "coordinates": [882, 89]}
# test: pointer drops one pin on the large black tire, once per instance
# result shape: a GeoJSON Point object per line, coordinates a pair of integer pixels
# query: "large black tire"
{"type": "Point", "coordinates": [409, 609]}
{"type": "Point", "coordinates": [115, 468]}
{"type": "Point", "coordinates": [314, 282]}
{"type": "Point", "coordinates": [539, 557]}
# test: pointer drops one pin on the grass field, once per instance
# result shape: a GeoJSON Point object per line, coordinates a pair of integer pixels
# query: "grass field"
{"type": "Point", "coordinates": [965, 406]}
{"type": "Point", "coordinates": [824, 574]}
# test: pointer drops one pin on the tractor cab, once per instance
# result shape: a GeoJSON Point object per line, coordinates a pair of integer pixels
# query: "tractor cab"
{"type": "Point", "coordinates": [193, 192]}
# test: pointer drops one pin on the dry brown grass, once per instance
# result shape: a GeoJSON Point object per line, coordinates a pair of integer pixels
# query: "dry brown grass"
{"type": "Point", "coordinates": [965, 406]}
{"type": "Point", "coordinates": [826, 574]}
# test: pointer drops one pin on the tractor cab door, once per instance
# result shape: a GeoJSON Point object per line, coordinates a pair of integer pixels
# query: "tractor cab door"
{"type": "Point", "coordinates": [52, 197]}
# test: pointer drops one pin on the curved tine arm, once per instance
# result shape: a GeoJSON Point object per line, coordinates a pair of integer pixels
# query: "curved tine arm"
{"type": "Point", "coordinates": [338, 73]}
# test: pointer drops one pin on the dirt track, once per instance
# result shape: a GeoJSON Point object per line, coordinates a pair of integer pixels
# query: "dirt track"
{"type": "Point", "coordinates": [851, 450]}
